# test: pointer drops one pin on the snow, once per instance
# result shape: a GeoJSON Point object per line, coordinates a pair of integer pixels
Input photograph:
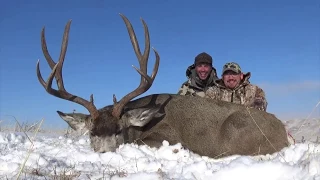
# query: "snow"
{"type": "Point", "coordinates": [55, 156]}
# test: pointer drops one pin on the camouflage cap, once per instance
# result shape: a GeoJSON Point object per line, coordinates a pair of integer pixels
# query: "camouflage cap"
{"type": "Point", "coordinates": [231, 66]}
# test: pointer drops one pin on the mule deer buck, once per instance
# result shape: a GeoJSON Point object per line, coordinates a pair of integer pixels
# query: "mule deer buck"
{"type": "Point", "coordinates": [205, 126]}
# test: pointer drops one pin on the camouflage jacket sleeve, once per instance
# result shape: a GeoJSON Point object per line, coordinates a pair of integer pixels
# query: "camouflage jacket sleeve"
{"type": "Point", "coordinates": [184, 89]}
{"type": "Point", "coordinates": [260, 101]}
{"type": "Point", "coordinates": [213, 92]}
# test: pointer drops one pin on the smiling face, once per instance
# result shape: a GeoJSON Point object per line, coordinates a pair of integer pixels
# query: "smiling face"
{"type": "Point", "coordinates": [232, 79]}
{"type": "Point", "coordinates": [203, 70]}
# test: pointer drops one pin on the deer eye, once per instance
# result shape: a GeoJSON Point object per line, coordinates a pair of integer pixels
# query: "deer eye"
{"type": "Point", "coordinates": [118, 131]}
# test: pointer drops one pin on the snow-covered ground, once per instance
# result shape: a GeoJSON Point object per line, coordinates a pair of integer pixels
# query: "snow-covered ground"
{"type": "Point", "coordinates": [55, 156]}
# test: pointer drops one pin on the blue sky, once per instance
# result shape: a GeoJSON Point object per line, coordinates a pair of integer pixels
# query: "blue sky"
{"type": "Point", "coordinates": [277, 41]}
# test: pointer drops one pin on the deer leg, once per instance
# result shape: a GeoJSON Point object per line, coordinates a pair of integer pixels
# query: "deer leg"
{"type": "Point", "coordinates": [239, 136]}
{"type": "Point", "coordinates": [160, 133]}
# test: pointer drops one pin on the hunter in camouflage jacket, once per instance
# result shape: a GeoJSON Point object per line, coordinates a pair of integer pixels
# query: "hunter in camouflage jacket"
{"type": "Point", "coordinates": [197, 85]}
{"type": "Point", "coordinates": [246, 94]}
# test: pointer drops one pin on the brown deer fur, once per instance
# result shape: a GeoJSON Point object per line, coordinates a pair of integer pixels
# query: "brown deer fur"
{"type": "Point", "coordinates": [205, 126]}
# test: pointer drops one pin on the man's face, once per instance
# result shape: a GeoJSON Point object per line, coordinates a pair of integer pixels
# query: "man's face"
{"type": "Point", "coordinates": [203, 70]}
{"type": "Point", "coordinates": [232, 79]}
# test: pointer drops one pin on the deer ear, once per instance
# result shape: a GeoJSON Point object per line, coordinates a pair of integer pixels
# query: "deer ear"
{"type": "Point", "coordinates": [65, 116]}
{"type": "Point", "coordinates": [142, 116]}
{"type": "Point", "coordinates": [75, 120]}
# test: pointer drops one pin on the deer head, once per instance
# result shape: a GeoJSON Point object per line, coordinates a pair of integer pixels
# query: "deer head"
{"type": "Point", "coordinates": [105, 125]}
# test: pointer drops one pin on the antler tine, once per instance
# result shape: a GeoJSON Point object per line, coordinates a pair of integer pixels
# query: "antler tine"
{"type": "Point", "coordinates": [45, 49]}
{"type": "Point", "coordinates": [62, 56]}
{"type": "Point", "coordinates": [63, 51]}
{"type": "Point", "coordinates": [42, 82]}
{"type": "Point", "coordinates": [143, 59]}
{"type": "Point", "coordinates": [156, 65]}
{"type": "Point", "coordinates": [146, 81]}
{"type": "Point", "coordinates": [46, 52]}
{"type": "Point", "coordinates": [57, 73]}
{"type": "Point", "coordinates": [154, 72]}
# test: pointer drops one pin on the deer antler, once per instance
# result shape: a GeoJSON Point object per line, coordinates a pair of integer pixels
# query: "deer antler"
{"type": "Point", "coordinates": [57, 73]}
{"type": "Point", "coordinates": [146, 81]}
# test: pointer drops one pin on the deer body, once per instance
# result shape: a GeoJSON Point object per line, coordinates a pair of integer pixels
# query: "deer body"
{"type": "Point", "coordinates": [205, 126]}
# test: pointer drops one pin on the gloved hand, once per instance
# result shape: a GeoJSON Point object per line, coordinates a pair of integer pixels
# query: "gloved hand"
{"type": "Point", "coordinates": [259, 104]}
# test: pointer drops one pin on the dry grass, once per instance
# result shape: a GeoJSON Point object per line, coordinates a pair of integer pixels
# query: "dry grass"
{"type": "Point", "coordinates": [308, 117]}
{"type": "Point", "coordinates": [65, 174]}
